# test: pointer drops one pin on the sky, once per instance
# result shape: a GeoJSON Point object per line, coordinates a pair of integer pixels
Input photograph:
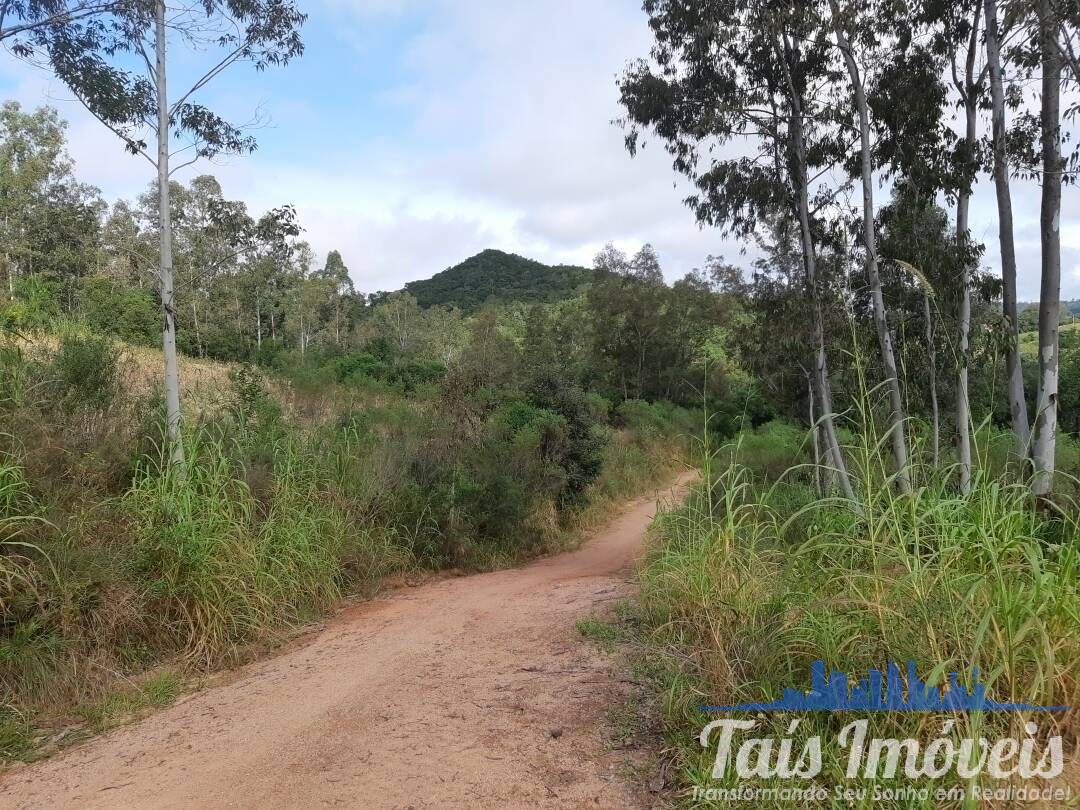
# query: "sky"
{"type": "Point", "coordinates": [414, 133]}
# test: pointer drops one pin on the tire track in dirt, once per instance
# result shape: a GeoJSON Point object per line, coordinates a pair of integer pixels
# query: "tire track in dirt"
{"type": "Point", "coordinates": [474, 692]}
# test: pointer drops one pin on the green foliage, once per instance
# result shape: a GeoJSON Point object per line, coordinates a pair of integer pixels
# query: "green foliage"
{"type": "Point", "coordinates": [131, 315]}
{"type": "Point", "coordinates": [35, 306]}
{"type": "Point", "coordinates": [770, 450]}
{"type": "Point", "coordinates": [576, 442]}
{"type": "Point", "coordinates": [504, 277]}
{"type": "Point", "coordinates": [652, 419]}
{"type": "Point", "coordinates": [86, 371]}
{"type": "Point", "coordinates": [359, 367]}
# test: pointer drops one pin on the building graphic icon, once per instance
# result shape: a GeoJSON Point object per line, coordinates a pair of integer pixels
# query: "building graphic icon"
{"type": "Point", "coordinates": [884, 692]}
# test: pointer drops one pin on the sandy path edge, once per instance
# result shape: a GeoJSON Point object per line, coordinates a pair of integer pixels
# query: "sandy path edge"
{"type": "Point", "coordinates": [473, 692]}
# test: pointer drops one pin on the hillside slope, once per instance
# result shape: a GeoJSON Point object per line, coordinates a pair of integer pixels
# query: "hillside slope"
{"type": "Point", "coordinates": [505, 277]}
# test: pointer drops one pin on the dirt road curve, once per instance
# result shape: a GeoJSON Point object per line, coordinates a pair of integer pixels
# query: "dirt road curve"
{"type": "Point", "coordinates": [475, 692]}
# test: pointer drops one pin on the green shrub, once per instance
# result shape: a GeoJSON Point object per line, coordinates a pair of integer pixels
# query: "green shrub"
{"type": "Point", "coordinates": [580, 451]}
{"type": "Point", "coordinates": [35, 305]}
{"type": "Point", "coordinates": [359, 367]}
{"type": "Point", "coordinates": [86, 371]}
{"type": "Point", "coordinates": [128, 314]}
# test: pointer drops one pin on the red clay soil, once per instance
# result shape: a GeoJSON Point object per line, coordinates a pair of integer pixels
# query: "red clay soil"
{"type": "Point", "coordinates": [475, 692]}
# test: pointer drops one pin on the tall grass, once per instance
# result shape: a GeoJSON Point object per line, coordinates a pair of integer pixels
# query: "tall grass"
{"type": "Point", "coordinates": [115, 565]}
{"type": "Point", "coordinates": [756, 576]}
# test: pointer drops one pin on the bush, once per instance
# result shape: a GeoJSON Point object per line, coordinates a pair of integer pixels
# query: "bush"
{"type": "Point", "coordinates": [128, 314]}
{"type": "Point", "coordinates": [359, 367]}
{"type": "Point", "coordinates": [85, 371]}
{"type": "Point", "coordinates": [36, 305]}
{"type": "Point", "coordinates": [581, 453]}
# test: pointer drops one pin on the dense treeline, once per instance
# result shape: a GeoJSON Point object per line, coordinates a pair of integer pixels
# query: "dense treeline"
{"type": "Point", "coordinates": [247, 289]}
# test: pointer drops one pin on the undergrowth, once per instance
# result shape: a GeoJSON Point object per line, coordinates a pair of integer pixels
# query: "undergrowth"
{"type": "Point", "coordinates": [115, 563]}
{"type": "Point", "coordinates": [757, 575]}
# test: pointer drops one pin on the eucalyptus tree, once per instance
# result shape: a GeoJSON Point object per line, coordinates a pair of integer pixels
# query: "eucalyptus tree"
{"type": "Point", "coordinates": [86, 21]}
{"type": "Point", "coordinates": [733, 92]}
{"type": "Point", "coordinates": [961, 38]}
{"type": "Point", "coordinates": [1013, 364]}
{"type": "Point", "coordinates": [1050, 21]}
{"type": "Point", "coordinates": [136, 105]}
{"type": "Point", "coordinates": [342, 295]}
{"type": "Point", "coordinates": [32, 157]}
{"type": "Point", "coordinates": [863, 23]}
{"type": "Point", "coordinates": [916, 143]}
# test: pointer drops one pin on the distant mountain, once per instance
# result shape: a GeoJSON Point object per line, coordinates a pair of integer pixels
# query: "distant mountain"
{"type": "Point", "coordinates": [504, 277]}
{"type": "Point", "coordinates": [1066, 306]}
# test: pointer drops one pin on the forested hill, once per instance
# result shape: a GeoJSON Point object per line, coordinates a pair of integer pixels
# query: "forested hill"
{"type": "Point", "coordinates": [505, 277]}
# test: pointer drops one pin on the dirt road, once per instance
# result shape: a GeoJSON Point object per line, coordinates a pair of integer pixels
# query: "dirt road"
{"type": "Point", "coordinates": [475, 692]}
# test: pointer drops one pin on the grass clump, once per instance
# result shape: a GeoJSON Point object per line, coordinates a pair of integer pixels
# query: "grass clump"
{"type": "Point", "coordinates": [752, 580]}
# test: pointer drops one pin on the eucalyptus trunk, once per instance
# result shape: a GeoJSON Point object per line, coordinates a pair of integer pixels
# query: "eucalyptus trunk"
{"type": "Point", "coordinates": [970, 92]}
{"type": "Point", "coordinates": [885, 341]}
{"type": "Point", "coordinates": [1045, 438]}
{"type": "Point", "coordinates": [168, 311]}
{"type": "Point", "coordinates": [9, 276]}
{"type": "Point", "coordinates": [935, 414]}
{"type": "Point", "coordinates": [1013, 368]}
{"type": "Point", "coordinates": [820, 375]}
{"type": "Point", "coordinates": [816, 432]}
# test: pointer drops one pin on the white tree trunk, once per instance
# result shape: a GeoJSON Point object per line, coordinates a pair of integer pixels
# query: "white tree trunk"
{"type": "Point", "coordinates": [195, 318]}
{"type": "Point", "coordinates": [935, 416]}
{"type": "Point", "coordinates": [821, 367]}
{"type": "Point", "coordinates": [168, 311]}
{"type": "Point", "coordinates": [820, 373]}
{"type": "Point", "coordinates": [815, 430]}
{"type": "Point", "coordinates": [1014, 370]}
{"type": "Point", "coordinates": [1045, 439]}
{"type": "Point", "coordinates": [963, 398]}
{"type": "Point", "coordinates": [885, 342]}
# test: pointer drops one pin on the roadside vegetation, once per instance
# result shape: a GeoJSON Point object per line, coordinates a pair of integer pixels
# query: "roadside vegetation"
{"type": "Point", "coordinates": [124, 574]}
{"type": "Point", "coordinates": [756, 576]}
{"type": "Point", "coordinates": [918, 498]}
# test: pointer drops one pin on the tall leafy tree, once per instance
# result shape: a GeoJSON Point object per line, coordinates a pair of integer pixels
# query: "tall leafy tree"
{"type": "Point", "coordinates": [1050, 21]}
{"type": "Point", "coordinates": [36, 188]}
{"type": "Point", "coordinates": [1014, 371]}
{"type": "Point", "coordinates": [133, 102]}
{"type": "Point", "coordinates": [343, 294]}
{"type": "Point", "coordinates": [734, 92]}
{"type": "Point", "coordinates": [862, 24]}
{"type": "Point", "coordinates": [970, 85]}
